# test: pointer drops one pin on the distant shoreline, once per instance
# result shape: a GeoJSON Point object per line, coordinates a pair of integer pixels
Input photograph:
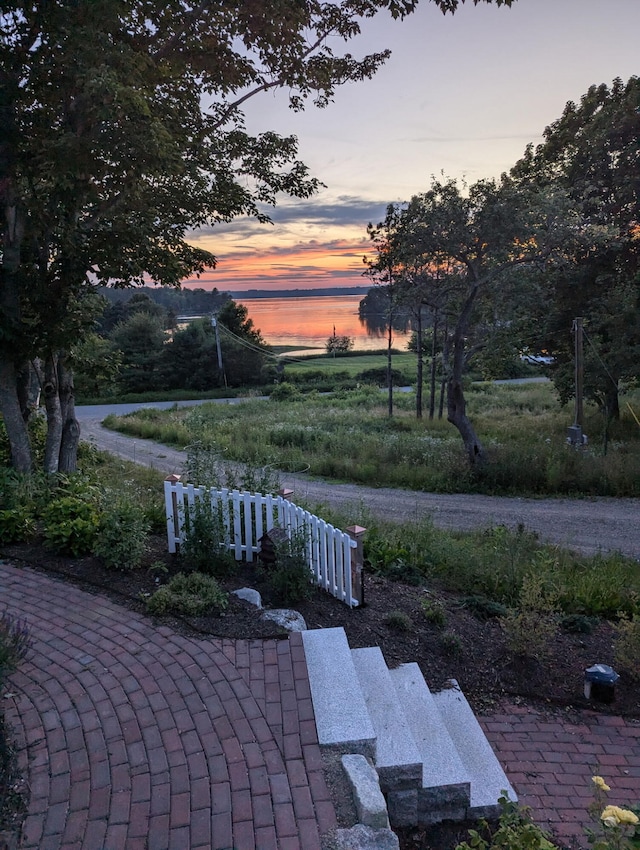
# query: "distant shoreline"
{"type": "Point", "coordinates": [332, 291]}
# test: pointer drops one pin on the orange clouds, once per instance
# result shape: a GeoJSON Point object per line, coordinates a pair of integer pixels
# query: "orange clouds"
{"type": "Point", "coordinates": [305, 265]}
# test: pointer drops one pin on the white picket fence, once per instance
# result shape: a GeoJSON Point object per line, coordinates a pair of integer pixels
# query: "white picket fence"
{"type": "Point", "coordinates": [331, 553]}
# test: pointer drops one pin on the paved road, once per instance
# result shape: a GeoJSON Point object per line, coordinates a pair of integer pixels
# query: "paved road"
{"type": "Point", "coordinates": [586, 525]}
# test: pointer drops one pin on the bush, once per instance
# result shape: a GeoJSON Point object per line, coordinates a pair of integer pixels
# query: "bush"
{"type": "Point", "coordinates": [205, 546]}
{"type": "Point", "coordinates": [515, 831]}
{"type": "Point", "coordinates": [285, 392]}
{"type": "Point", "coordinates": [483, 608]}
{"type": "Point", "coordinates": [16, 525]}
{"type": "Point", "coordinates": [434, 612]}
{"type": "Point", "coordinates": [122, 535]}
{"type": "Point", "coordinates": [14, 643]}
{"type": "Point", "coordinates": [530, 629]}
{"type": "Point", "coordinates": [627, 645]}
{"type": "Point", "coordinates": [70, 526]}
{"type": "Point", "coordinates": [191, 595]}
{"type": "Point", "coordinates": [451, 643]}
{"type": "Point", "coordinates": [398, 621]}
{"type": "Point", "coordinates": [290, 578]}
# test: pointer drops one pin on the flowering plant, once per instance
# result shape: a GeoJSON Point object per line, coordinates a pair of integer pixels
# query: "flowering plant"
{"type": "Point", "coordinates": [615, 826]}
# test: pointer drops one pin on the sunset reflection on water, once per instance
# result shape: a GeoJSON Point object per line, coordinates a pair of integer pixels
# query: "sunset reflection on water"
{"type": "Point", "coordinates": [309, 322]}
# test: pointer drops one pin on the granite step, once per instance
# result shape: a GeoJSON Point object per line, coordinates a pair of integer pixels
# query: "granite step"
{"type": "Point", "coordinates": [446, 783]}
{"type": "Point", "coordinates": [342, 717]}
{"type": "Point", "coordinates": [488, 779]}
{"type": "Point", "coordinates": [398, 760]}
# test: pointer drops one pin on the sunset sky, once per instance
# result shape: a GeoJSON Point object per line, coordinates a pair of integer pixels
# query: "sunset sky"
{"type": "Point", "coordinates": [461, 94]}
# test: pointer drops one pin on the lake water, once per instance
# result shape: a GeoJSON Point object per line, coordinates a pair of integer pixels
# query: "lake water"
{"type": "Point", "coordinates": [309, 322]}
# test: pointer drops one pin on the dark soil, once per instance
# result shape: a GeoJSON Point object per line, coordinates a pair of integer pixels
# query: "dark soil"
{"type": "Point", "coordinates": [463, 647]}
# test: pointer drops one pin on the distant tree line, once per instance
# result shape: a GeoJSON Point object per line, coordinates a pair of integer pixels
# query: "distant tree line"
{"type": "Point", "coordinates": [136, 347]}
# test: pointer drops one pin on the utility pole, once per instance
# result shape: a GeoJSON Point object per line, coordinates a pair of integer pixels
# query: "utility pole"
{"type": "Point", "coordinates": [575, 436]}
{"type": "Point", "coordinates": [214, 325]}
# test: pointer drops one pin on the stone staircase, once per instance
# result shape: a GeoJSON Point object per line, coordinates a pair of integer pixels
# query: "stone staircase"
{"type": "Point", "coordinates": [433, 760]}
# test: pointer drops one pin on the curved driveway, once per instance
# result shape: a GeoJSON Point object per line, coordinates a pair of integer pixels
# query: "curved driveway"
{"type": "Point", "coordinates": [586, 525]}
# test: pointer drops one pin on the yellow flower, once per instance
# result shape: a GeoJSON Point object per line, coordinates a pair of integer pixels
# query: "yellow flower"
{"type": "Point", "coordinates": [599, 782]}
{"type": "Point", "coordinates": [618, 815]}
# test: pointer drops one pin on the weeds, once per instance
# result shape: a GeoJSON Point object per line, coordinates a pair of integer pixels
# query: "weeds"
{"type": "Point", "coordinates": [353, 439]}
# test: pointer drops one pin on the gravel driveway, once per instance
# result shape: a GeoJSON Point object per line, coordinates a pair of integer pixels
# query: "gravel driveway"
{"type": "Point", "coordinates": [586, 525]}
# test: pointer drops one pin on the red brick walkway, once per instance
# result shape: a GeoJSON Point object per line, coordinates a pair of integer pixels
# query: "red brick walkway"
{"type": "Point", "coordinates": [138, 738]}
{"type": "Point", "coordinates": [550, 762]}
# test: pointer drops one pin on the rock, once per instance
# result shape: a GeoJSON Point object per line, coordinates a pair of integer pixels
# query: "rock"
{"type": "Point", "coordinates": [361, 837]}
{"type": "Point", "coordinates": [365, 787]}
{"type": "Point", "coordinates": [290, 620]}
{"type": "Point", "coordinates": [249, 595]}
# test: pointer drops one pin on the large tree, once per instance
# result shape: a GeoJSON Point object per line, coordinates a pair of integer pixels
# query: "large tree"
{"type": "Point", "coordinates": [122, 130]}
{"type": "Point", "coordinates": [592, 151]}
{"type": "Point", "coordinates": [459, 246]}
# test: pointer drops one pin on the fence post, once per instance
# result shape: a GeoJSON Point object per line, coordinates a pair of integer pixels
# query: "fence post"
{"type": "Point", "coordinates": [171, 509]}
{"type": "Point", "coordinates": [286, 493]}
{"type": "Point", "coordinates": [357, 532]}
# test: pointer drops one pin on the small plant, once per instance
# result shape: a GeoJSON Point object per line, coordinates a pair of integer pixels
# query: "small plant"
{"type": "Point", "coordinates": [70, 525]}
{"type": "Point", "coordinates": [627, 645]}
{"type": "Point", "coordinates": [14, 643]}
{"type": "Point", "coordinates": [451, 643]}
{"type": "Point", "coordinates": [285, 392]}
{"type": "Point", "coordinates": [614, 828]}
{"type": "Point", "coordinates": [434, 612]}
{"type": "Point", "coordinates": [531, 628]}
{"type": "Point", "coordinates": [205, 547]}
{"type": "Point", "coordinates": [578, 624]}
{"type": "Point", "coordinates": [122, 535]}
{"type": "Point", "coordinates": [191, 595]}
{"type": "Point", "coordinates": [484, 608]}
{"type": "Point", "coordinates": [515, 831]}
{"type": "Point", "coordinates": [398, 621]}
{"type": "Point", "coordinates": [16, 525]}
{"type": "Point", "coordinates": [290, 578]}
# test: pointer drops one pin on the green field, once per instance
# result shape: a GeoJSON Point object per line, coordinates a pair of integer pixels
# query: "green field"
{"type": "Point", "coordinates": [348, 436]}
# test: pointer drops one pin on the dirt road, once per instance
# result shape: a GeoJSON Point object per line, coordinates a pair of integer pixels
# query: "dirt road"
{"type": "Point", "coordinates": [586, 525]}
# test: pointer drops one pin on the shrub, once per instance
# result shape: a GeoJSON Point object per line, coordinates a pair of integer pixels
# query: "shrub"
{"type": "Point", "coordinates": [122, 535]}
{"type": "Point", "coordinates": [285, 392]}
{"type": "Point", "coordinates": [290, 578]}
{"type": "Point", "coordinates": [70, 525]}
{"type": "Point", "coordinates": [578, 624]}
{"type": "Point", "coordinates": [399, 621]}
{"type": "Point", "coordinates": [434, 612]}
{"type": "Point", "coordinates": [205, 546]}
{"type": "Point", "coordinates": [627, 645]}
{"type": "Point", "coordinates": [16, 525]}
{"type": "Point", "coordinates": [530, 629]}
{"type": "Point", "coordinates": [515, 831]}
{"type": "Point", "coordinates": [14, 643]}
{"type": "Point", "coordinates": [451, 643]}
{"type": "Point", "coordinates": [191, 595]}
{"type": "Point", "coordinates": [484, 608]}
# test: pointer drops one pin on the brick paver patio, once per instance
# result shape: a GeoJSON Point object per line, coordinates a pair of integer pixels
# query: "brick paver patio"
{"type": "Point", "coordinates": [134, 737]}
{"type": "Point", "coordinates": [139, 738]}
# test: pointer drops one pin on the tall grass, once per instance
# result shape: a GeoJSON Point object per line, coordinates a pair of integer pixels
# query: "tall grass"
{"type": "Point", "coordinates": [349, 436]}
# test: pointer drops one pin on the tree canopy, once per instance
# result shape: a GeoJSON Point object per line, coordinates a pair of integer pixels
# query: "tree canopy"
{"type": "Point", "coordinates": [122, 130]}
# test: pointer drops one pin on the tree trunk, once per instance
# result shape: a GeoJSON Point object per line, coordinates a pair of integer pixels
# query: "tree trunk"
{"type": "Point", "coordinates": [420, 366]}
{"type": "Point", "coordinates": [389, 375]}
{"type": "Point", "coordinates": [13, 420]}
{"type": "Point", "coordinates": [456, 404]}
{"type": "Point", "coordinates": [434, 349]}
{"type": "Point", "coordinates": [456, 414]}
{"type": "Point", "coordinates": [54, 415]}
{"type": "Point", "coordinates": [68, 461]}
{"type": "Point", "coordinates": [612, 402]}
